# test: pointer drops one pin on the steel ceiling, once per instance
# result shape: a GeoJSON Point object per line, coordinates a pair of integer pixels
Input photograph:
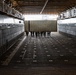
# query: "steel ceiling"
{"type": "Point", "coordinates": [35, 6]}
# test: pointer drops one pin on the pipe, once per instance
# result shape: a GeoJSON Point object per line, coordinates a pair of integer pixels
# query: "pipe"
{"type": "Point", "coordinates": [44, 6]}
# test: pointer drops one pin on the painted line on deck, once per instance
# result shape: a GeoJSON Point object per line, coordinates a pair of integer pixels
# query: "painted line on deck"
{"type": "Point", "coordinates": [24, 54]}
{"type": "Point", "coordinates": [7, 61]}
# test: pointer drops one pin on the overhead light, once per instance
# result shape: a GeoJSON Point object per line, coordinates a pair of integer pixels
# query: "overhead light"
{"type": "Point", "coordinates": [41, 17]}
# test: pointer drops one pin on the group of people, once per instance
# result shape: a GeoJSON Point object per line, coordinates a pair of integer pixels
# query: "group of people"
{"type": "Point", "coordinates": [32, 33]}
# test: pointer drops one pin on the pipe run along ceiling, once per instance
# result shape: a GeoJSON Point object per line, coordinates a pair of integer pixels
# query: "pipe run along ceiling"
{"type": "Point", "coordinates": [42, 6]}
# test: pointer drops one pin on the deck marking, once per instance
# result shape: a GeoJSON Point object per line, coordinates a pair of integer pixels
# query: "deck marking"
{"type": "Point", "coordinates": [70, 51]}
{"type": "Point", "coordinates": [34, 48]}
{"type": "Point", "coordinates": [22, 51]}
{"type": "Point", "coordinates": [61, 55]}
{"type": "Point", "coordinates": [58, 51]}
{"type": "Point", "coordinates": [56, 48]}
{"type": "Point", "coordinates": [34, 51]}
{"type": "Point", "coordinates": [46, 51]}
{"type": "Point", "coordinates": [45, 48]}
{"type": "Point", "coordinates": [34, 60]}
{"type": "Point", "coordinates": [75, 55]}
{"type": "Point", "coordinates": [50, 60]}
{"type": "Point", "coordinates": [7, 61]}
{"type": "Point", "coordinates": [65, 60]}
{"type": "Point", "coordinates": [21, 55]}
{"type": "Point", "coordinates": [18, 61]}
{"type": "Point", "coordinates": [66, 48]}
{"type": "Point", "coordinates": [24, 54]}
{"type": "Point", "coordinates": [25, 46]}
{"type": "Point", "coordinates": [48, 55]}
{"type": "Point", "coordinates": [34, 56]}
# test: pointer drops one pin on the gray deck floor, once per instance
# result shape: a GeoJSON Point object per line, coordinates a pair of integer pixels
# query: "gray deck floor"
{"type": "Point", "coordinates": [54, 55]}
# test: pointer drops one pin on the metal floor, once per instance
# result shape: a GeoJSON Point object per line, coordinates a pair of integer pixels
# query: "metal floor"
{"type": "Point", "coordinates": [54, 55]}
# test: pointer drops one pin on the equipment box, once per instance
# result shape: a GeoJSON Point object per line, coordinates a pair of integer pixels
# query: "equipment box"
{"type": "Point", "coordinates": [67, 14]}
{"type": "Point", "coordinates": [5, 8]}
{"type": "Point", "coordinates": [73, 12]}
{"type": "Point", "coordinates": [13, 11]}
{"type": "Point", "coordinates": [1, 7]}
{"type": "Point", "coordinates": [9, 11]}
